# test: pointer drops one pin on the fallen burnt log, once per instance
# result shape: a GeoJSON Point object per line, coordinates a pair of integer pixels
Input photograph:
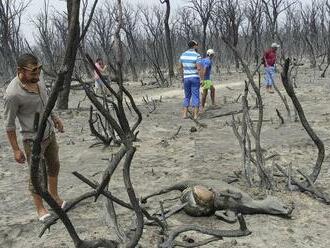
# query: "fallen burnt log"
{"type": "Point", "coordinates": [207, 197]}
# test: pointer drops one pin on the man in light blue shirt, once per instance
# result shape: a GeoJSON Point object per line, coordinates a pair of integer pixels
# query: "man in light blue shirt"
{"type": "Point", "coordinates": [191, 72]}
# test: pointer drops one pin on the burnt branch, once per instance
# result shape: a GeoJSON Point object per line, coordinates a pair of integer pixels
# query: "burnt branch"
{"type": "Point", "coordinates": [305, 187]}
{"type": "Point", "coordinates": [242, 231]}
{"type": "Point", "coordinates": [70, 205]}
{"type": "Point", "coordinates": [136, 109]}
{"type": "Point", "coordinates": [285, 102]}
{"type": "Point", "coordinates": [176, 134]}
{"type": "Point", "coordinates": [150, 105]}
{"type": "Point", "coordinates": [228, 113]}
{"type": "Point", "coordinates": [265, 179]}
{"type": "Point", "coordinates": [134, 201]}
{"type": "Point", "coordinates": [105, 140]}
{"type": "Point", "coordinates": [199, 124]}
{"type": "Point", "coordinates": [317, 141]}
{"type": "Point", "coordinates": [243, 138]}
{"type": "Point", "coordinates": [84, 31]}
{"type": "Point", "coordinates": [196, 244]}
{"type": "Point", "coordinates": [280, 116]}
{"type": "Point", "coordinates": [112, 218]}
{"type": "Point", "coordinates": [110, 170]}
{"type": "Point", "coordinates": [108, 194]}
{"type": "Point", "coordinates": [103, 110]}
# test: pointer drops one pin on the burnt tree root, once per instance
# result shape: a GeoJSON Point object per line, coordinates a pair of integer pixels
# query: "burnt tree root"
{"type": "Point", "coordinates": [242, 231]}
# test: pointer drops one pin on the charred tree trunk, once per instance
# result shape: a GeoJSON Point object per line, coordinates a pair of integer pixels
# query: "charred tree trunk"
{"type": "Point", "coordinates": [70, 58]}
{"type": "Point", "coordinates": [204, 10]}
{"type": "Point", "coordinates": [235, 43]}
{"type": "Point", "coordinates": [204, 37]}
{"type": "Point", "coordinates": [168, 38]}
{"type": "Point", "coordinates": [328, 46]}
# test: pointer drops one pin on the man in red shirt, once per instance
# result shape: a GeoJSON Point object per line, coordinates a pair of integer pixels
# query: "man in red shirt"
{"type": "Point", "coordinates": [269, 60]}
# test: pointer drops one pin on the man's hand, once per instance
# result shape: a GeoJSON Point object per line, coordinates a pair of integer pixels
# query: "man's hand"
{"type": "Point", "coordinates": [58, 124]}
{"type": "Point", "coordinates": [202, 83]}
{"type": "Point", "coordinates": [19, 156]}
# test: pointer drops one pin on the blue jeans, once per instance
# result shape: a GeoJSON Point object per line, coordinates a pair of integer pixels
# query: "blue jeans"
{"type": "Point", "coordinates": [99, 83]}
{"type": "Point", "coordinates": [269, 75]}
{"type": "Point", "coordinates": [191, 92]}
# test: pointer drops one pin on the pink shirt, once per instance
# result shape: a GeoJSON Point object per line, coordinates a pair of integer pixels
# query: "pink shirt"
{"type": "Point", "coordinates": [98, 66]}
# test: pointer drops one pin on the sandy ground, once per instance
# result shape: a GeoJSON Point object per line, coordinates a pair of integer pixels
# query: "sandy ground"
{"type": "Point", "coordinates": [209, 153]}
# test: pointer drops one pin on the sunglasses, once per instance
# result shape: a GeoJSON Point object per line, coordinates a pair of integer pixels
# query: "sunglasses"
{"type": "Point", "coordinates": [34, 69]}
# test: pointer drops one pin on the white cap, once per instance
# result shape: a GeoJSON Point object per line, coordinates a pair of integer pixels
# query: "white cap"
{"type": "Point", "coordinates": [275, 45]}
{"type": "Point", "coordinates": [210, 52]}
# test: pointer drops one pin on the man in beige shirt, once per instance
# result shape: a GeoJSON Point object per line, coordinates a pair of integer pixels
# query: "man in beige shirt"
{"type": "Point", "coordinates": [25, 99]}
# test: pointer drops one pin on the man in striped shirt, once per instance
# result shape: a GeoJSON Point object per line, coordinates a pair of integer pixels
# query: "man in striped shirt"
{"type": "Point", "coordinates": [191, 72]}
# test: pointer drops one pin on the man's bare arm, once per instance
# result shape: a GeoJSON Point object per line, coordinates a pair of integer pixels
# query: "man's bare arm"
{"type": "Point", "coordinates": [201, 72]}
{"type": "Point", "coordinates": [181, 71]}
{"type": "Point", "coordinates": [13, 140]}
{"type": "Point", "coordinates": [18, 153]}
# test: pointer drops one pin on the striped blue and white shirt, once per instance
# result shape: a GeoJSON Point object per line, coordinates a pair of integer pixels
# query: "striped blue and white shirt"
{"type": "Point", "coordinates": [189, 60]}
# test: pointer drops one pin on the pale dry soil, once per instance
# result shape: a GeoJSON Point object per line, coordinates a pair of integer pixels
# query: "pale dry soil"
{"type": "Point", "coordinates": [209, 153]}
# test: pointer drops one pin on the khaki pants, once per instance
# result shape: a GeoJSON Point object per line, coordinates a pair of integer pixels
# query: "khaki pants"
{"type": "Point", "coordinates": [49, 158]}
